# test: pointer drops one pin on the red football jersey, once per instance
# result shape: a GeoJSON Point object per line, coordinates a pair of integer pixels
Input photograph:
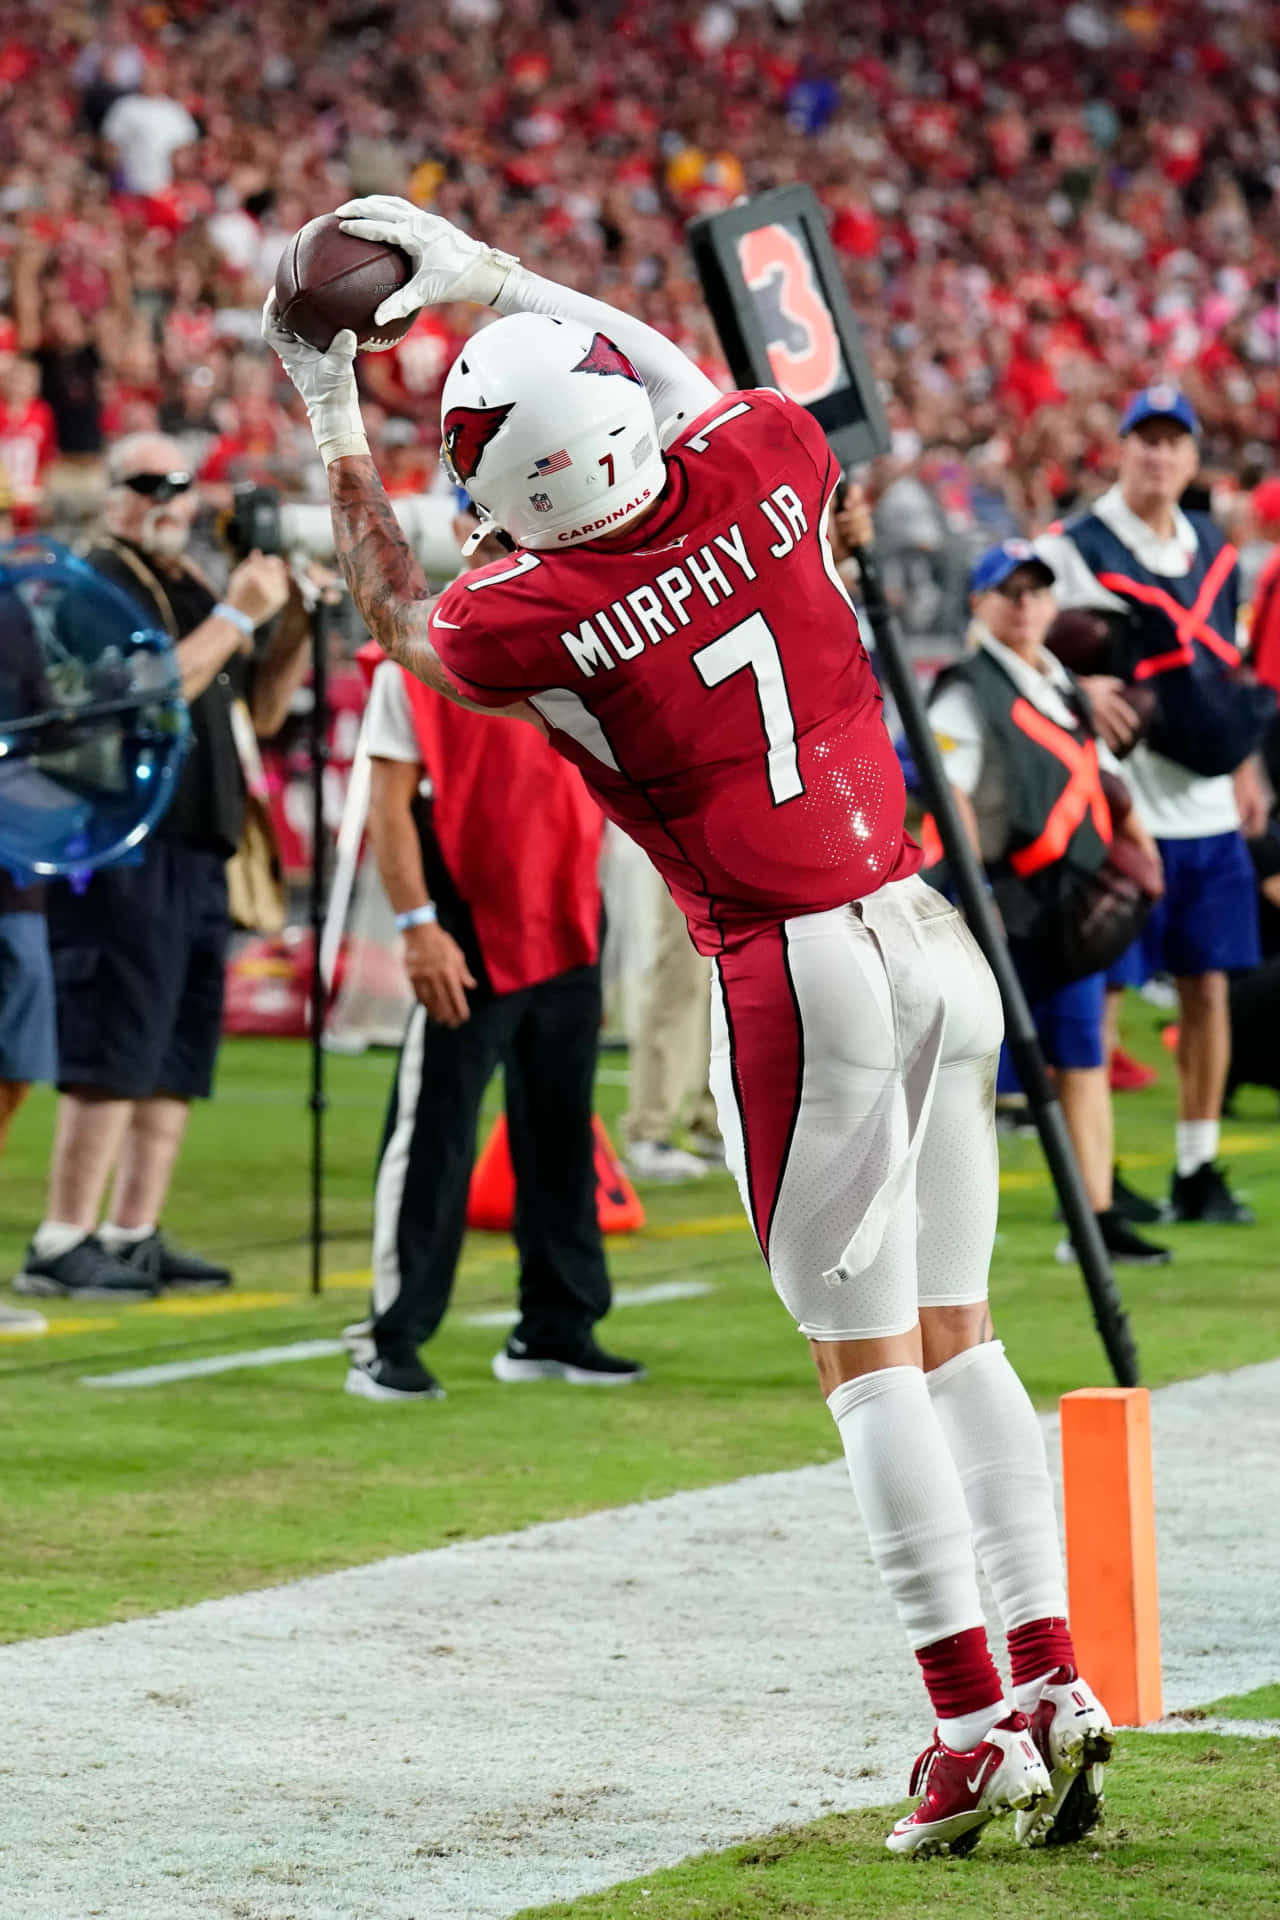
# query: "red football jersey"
{"type": "Point", "coordinates": [706, 674]}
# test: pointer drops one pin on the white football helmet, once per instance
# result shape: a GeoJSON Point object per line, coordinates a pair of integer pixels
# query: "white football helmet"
{"type": "Point", "coordinates": [549, 428]}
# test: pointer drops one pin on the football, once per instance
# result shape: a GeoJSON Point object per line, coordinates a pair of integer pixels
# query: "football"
{"type": "Point", "coordinates": [327, 281]}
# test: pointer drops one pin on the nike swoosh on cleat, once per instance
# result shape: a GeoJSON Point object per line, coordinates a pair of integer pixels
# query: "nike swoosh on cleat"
{"type": "Point", "coordinates": [977, 1779]}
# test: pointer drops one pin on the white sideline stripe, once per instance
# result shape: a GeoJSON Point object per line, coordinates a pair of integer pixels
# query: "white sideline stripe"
{"type": "Point", "coordinates": [166, 1374]}
{"type": "Point", "coordinates": [464, 1733]}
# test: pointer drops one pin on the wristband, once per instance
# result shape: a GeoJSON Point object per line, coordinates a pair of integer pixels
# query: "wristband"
{"type": "Point", "coordinates": [236, 615]}
{"type": "Point", "coordinates": [417, 917]}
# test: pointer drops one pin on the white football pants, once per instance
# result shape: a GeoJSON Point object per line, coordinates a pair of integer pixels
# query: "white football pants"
{"type": "Point", "coordinates": [853, 1065]}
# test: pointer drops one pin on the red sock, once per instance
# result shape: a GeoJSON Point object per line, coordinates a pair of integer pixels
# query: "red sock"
{"type": "Point", "coordinates": [959, 1674]}
{"type": "Point", "coordinates": [1037, 1648]}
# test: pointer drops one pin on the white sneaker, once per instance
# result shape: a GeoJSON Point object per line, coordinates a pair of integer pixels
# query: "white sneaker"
{"type": "Point", "coordinates": [659, 1160]}
{"type": "Point", "coordinates": [1074, 1737]}
{"type": "Point", "coordinates": [708, 1147]}
{"type": "Point", "coordinates": [16, 1320]}
{"type": "Point", "coordinates": [359, 1342]}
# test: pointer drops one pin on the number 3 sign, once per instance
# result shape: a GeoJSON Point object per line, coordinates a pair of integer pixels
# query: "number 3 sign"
{"type": "Point", "coordinates": [775, 291]}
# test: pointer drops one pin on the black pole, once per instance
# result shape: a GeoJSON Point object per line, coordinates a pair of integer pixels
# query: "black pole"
{"type": "Point", "coordinates": [1108, 1309]}
{"type": "Point", "coordinates": [319, 759]}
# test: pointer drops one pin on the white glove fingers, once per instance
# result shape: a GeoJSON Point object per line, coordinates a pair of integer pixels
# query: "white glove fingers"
{"type": "Point", "coordinates": [344, 344]}
{"type": "Point", "coordinates": [398, 306]}
{"type": "Point", "coordinates": [377, 206]}
{"type": "Point", "coordinates": [379, 231]}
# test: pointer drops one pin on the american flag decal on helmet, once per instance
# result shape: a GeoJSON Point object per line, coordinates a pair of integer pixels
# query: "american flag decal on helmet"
{"type": "Point", "coordinates": [554, 462]}
{"type": "Point", "coordinates": [603, 357]}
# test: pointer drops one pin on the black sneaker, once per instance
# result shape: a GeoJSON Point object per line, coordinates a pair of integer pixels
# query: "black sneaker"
{"type": "Point", "coordinates": [378, 1378]}
{"type": "Point", "coordinates": [1133, 1206]}
{"type": "Point", "coordinates": [581, 1362]}
{"type": "Point", "coordinates": [1126, 1248]}
{"type": "Point", "coordinates": [1205, 1196]}
{"type": "Point", "coordinates": [84, 1272]}
{"type": "Point", "coordinates": [172, 1267]}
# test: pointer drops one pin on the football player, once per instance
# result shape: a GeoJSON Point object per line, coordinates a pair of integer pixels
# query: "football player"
{"type": "Point", "coordinates": [671, 614]}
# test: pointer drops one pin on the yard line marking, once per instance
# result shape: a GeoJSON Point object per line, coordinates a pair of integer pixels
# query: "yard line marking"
{"type": "Point", "coordinates": [216, 1363]}
{"type": "Point", "coordinates": [652, 1296]}
{"type": "Point", "coordinates": [165, 1375]}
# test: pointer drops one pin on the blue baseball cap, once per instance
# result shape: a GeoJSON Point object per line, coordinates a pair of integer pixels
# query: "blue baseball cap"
{"type": "Point", "coordinates": [1159, 403]}
{"type": "Point", "coordinates": [995, 566]}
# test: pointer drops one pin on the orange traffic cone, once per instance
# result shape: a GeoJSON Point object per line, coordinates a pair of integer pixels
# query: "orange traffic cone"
{"type": "Point", "coordinates": [618, 1206]}
{"type": "Point", "coordinates": [491, 1203]}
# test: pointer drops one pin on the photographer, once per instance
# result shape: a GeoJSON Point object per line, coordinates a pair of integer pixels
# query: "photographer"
{"type": "Point", "coordinates": [139, 955]}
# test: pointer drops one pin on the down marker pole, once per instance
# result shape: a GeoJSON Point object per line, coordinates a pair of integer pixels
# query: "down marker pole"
{"type": "Point", "coordinates": [1109, 1502]}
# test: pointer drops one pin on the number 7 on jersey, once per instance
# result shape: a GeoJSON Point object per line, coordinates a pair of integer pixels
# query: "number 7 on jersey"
{"type": "Point", "coordinates": [752, 645]}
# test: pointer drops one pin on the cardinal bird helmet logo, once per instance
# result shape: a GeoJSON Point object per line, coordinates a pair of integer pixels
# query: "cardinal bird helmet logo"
{"type": "Point", "coordinates": [467, 432]}
{"type": "Point", "coordinates": [603, 357]}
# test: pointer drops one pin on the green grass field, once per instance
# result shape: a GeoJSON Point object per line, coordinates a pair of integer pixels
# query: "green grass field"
{"type": "Point", "coordinates": [116, 1502]}
{"type": "Point", "coordinates": [1190, 1829]}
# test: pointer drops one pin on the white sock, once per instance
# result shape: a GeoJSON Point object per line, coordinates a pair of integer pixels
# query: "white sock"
{"type": "Point", "coordinates": [52, 1238]}
{"type": "Point", "coordinates": [970, 1729]}
{"type": "Point", "coordinates": [1195, 1142]}
{"type": "Point", "coordinates": [1027, 1697]}
{"type": "Point", "coordinates": [114, 1237]}
{"type": "Point", "coordinates": [912, 1503]}
{"type": "Point", "coordinates": [995, 1440]}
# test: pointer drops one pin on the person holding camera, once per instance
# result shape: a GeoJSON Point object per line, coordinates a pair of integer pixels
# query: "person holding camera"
{"type": "Point", "coordinates": [139, 954]}
{"type": "Point", "coordinates": [1167, 583]}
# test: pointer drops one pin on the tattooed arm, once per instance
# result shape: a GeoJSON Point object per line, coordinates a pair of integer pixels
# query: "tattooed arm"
{"type": "Point", "coordinates": [387, 584]}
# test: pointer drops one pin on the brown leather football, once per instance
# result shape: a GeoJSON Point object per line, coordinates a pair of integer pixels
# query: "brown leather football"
{"type": "Point", "coordinates": [1079, 638]}
{"type": "Point", "coordinates": [328, 281]}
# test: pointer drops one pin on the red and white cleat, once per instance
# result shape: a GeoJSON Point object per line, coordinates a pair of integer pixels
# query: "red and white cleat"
{"type": "Point", "coordinates": [963, 1791]}
{"type": "Point", "coordinates": [1074, 1737]}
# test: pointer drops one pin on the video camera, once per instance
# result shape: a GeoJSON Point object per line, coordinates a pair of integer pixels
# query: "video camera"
{"type": "Point", "coordinates": [255, 523]}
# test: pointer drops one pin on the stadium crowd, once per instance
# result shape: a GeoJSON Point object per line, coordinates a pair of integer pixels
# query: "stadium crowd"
{"type": "Point", "coordinates": [1039, 209]}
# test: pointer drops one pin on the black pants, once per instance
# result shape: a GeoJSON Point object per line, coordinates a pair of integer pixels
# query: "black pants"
{"type": "Point", "coordinates": [139, 959]}
{"type": "Point", "coordinates": [546, 1038]}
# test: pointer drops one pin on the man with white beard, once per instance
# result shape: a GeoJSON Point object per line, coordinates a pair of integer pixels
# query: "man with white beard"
{"type": "Point", "coordinates": [139, 955]}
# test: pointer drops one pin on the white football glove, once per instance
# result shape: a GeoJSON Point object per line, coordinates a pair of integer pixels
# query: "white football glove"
{"type": "Point", "coordinates": [447, 263]}
{"type": "Point", "coordinates": [327, 383]}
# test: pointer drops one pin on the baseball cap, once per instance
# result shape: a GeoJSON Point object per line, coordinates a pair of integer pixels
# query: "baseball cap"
{"type": "Point", "coordinates": [995, 566]}
{"type": "Point", "coordinates": [1265, 500]}
{"type": "Point", "coordinates": [1159, 403]}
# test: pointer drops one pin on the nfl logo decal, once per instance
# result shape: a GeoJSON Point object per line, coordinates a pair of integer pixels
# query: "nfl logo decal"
{"type": "Point", "coordinates": [540, 502]}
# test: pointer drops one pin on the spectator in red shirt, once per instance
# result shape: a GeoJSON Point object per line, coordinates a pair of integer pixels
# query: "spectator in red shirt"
{"type": "Point", "coordinates": [1264, 628]}
{"type": "Point", "coordinates": [28, 439]}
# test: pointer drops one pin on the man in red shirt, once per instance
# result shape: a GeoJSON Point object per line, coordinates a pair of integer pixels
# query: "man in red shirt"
{"type": "Point", "coordinates": [671, 614]}
{"type": "Point", "coordinates": [488, 846]}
